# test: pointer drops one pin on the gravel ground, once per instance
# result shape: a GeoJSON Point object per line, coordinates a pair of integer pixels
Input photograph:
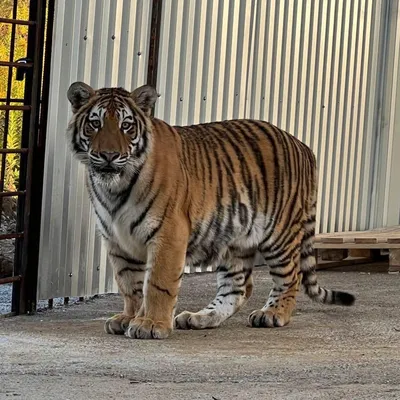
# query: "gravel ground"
{"type": "Point", "coordinates": [325, 352]}
{"type": "Point", "coordinates": [5, 298]}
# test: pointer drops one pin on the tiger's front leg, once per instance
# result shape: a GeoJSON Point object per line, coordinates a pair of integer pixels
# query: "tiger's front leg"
{"type": "Point", "coordinates": [129, 274]}
{"type": "Point", "coordinates": [166, 261]}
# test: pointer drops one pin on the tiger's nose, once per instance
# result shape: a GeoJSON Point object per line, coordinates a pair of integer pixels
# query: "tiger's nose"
{"type": "Point", "coordinates": [109, 156]}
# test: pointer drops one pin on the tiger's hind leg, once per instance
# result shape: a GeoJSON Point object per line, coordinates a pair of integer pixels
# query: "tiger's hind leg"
{"type": "Point", "coordinates": [286, 276]}
{"type": "Point", "coordinates": [129, 274]}
{"type": "Point", "coordinates": [235, 285]}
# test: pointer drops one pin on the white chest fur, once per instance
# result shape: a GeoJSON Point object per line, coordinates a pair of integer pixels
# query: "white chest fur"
{"type": "Point", "coordinates": [115, 225]}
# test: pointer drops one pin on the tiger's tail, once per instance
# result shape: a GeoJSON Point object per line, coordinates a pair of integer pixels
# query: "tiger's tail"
{"type": "Point", "coordinates": [308, 269]}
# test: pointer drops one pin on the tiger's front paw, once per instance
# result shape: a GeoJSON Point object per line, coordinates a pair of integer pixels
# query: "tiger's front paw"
{"type": "Point", "coordinates": [189, 320]}
{"type": "Point", "coordinates": [118, 324]}
{"type": "Point", "coordinates": [145, 328]}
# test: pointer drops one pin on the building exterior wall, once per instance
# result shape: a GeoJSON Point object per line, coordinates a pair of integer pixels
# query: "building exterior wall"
{"type": "Point", "coordinates": [326, 71]}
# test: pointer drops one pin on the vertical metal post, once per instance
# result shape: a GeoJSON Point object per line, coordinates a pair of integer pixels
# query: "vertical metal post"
{"type": "Point", "coordinates": [31, 175]}
{"type": "Point", "coordinates": [154, 45]}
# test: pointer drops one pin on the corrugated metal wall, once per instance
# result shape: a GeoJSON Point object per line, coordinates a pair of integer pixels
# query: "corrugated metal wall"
{"type": "Point", "coordinates": [102, 43]}
{"type": "Point", "coordinates": [386, 188]}
{"type": "Point", "coordinates": [310, 67]}
{"type": "Point", "coordinates": [313, 68]}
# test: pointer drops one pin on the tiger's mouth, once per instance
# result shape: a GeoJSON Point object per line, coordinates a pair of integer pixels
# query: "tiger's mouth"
{"type": "Point", "coordinates": [107, 170]}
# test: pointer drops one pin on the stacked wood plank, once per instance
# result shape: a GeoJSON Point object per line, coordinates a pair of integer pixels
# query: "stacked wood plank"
{"type": "Point", "coordinates": [333, 246]}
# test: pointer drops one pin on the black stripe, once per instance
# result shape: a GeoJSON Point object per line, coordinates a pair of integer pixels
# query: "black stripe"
{"type": "Point", "coordinates": [142, 145]}
{"type": "Point", "coordinates": [185, 151]}
{"type": "Point", "coordinates": [146, 190]}
{"type": "Point", "coordinates": [161, 289]}
{"type": "Point", "coordinates": [123, 196]}
{"type": "Point", "coordinates": [281, 274]}
{"type": "Point", "coordinates": [279, 199]}
{"type": "Point", "coordinates": [129, 260]}
{"type": "Point", "coordinates": [232, 274]}
{"type": "Point", "coordinates": [200, 149]}
{"type": "Point", "coordinates": [142, 216]}
{"type": "Point", "coordinates": [97, 194]}
{"type": "Point", "coordinates": [248, 273]}
{"type": "Point", "coordinates": [158, 227]}
{"type": "Point", "coordinates": [287, 236]}
{"type": "Point", "coordinates": [195, 234]}
{"type": "Point", "coordinates": [233, 292]}
{"type": "Point", "coordinates": [252, 140]}
{"type": "Point", "coordinates": [180, 277]}
{"type": "Point", "coordinates": [263, 127]}
{"type": "Point", "coordinates": [246, 256]}
{"type": "Point", "coordinates": [246, 177]}
{"type": "Point", "coordinates": [121, 271]}
{"type": "Point", "coordinates": [218, 142]}
{"type": "Point", "coordinates": [102, 223]}
{"type": "Point", "coordinates": [209, 166]}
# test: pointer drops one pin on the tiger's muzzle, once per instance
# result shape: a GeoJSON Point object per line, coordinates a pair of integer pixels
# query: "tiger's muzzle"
{"type": "Point", "coordinates": [107, 162]}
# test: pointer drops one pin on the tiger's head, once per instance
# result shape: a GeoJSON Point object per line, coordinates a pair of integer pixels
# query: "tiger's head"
{"type": "Point", "coordinates": [109, 127]}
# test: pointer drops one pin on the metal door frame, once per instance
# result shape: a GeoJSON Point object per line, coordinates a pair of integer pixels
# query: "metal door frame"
{"type": "Point", "coordinates": [37, 72]}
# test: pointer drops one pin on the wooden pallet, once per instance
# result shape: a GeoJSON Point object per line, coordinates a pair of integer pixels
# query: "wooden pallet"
{"type": "Point", "coordinates": [343, 243]}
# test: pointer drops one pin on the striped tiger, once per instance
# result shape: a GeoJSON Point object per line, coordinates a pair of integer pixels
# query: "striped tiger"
{"type": "Point", "coordinates": [208, 194]}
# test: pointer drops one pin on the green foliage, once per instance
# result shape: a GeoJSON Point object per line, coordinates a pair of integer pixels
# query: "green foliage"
{"type": "Point", "coordinates": [17, 92]}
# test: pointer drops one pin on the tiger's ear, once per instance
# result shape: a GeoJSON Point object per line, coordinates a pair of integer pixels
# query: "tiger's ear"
{"type": "Point", "coordinates": [79, 94]}
{"type": "Point", "coordinates": [144, 96]}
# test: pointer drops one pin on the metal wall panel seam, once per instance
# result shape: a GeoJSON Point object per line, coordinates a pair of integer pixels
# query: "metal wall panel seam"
{"type": "Point", "coordinates": [339, 168]}
{"type": "Point", "coordinates": [344, 120]}
{"type": "Point", "coordinates": [371, 122]}
{"type": "Point", "coordinates": [61, 181]}
{"type": "Point", "coordinates": [171, 88]}
{"type": "Point", "coordinates": [255, 62]}
{"type": "Point", "coordinates": [220, 61]}
{"type": "Point", "coordinates": [242, 56]}
{"type": "Point", "coordinates": [209, 61]}
{"type": "Point", "coordinates": [323, 197]}
{"type": "Point", "coordinates": [358, 48]}
{"type": "Point", "coordinates": [381, 150]}
{"type": "Point", "coordinates": [310, 74]}
{"type": "Point", "coordinates": [393, 217]}
{"type": "Point", "coordinates": [277, 63]}
{"type": "Point", "coordinates": [230, 66]}
{"type": "Point", "coordinates": [163, 60]}
{"type": "Point", "coordinates": [361, 129]}
{"type": "Point", "coordinates": [392, 187]}
{"type": "Point", "coordinates": [288, 45]}
{"type": "Point", "coordinates": [268, 63]}
{"type": "Point", "coordinates": [299, 100]}
{"type": "Point", "coordinates": [317, 102]}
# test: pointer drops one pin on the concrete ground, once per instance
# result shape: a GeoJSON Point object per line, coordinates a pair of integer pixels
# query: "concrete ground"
{"type": "Point", "coordinates": [325, 353]}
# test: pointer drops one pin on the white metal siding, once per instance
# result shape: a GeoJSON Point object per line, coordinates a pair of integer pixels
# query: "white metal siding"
{"type": "Point", "coordinates": [325, 71]}
{"type": "Point", "coordinates": [310, 67]}
{"type": "Point", "coordinates": [102, 43]}
{"type": "Point", "coordinates": [386, 188]}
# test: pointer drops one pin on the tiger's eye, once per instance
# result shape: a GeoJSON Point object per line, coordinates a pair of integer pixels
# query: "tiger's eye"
{"type": "Point", "coordinates": [125, 125]}
{"type": "Point", "coordinates": [96, 124]}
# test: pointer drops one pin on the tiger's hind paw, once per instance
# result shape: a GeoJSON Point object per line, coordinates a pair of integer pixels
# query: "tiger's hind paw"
{"type": "Point", "coordinates": [269, 318]}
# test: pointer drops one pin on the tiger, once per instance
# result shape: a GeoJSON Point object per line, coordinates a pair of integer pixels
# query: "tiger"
{"type": "Point", "coordinates": [212, 194]}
